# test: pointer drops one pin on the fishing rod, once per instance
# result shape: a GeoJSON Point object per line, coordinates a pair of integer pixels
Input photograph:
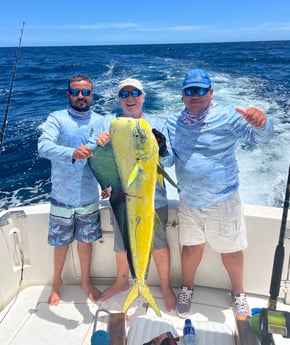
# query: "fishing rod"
{"type": "Point", "coordinates": [279, 252]}
{"type": "Point", "coordinates": [272, 320]}
{"type": "Point", "coordinates": [5, 120]}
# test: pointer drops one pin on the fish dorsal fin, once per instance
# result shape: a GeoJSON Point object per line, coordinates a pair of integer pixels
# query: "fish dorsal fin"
{"type": "Point", "coordinates": [134, 174]}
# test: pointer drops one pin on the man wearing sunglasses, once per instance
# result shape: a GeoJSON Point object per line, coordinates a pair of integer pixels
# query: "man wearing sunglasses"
{"type": "Point", "coordinates": [74, 213]}
{"type": "Point", "coordinates": [203, 139]}
{"type": "Point", "coordinates": [131, 98]}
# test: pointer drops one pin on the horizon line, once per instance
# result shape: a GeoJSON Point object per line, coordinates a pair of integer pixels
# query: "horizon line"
{"type": "Point", "coordinates": [140, 44]}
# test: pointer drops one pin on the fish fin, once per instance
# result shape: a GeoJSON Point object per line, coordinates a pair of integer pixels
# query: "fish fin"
{"type": "Point", "coordinates": [134, 174]}
{"type": "Point", "coordinates": [146, 293]}
{"type": "Point", "coordinates": [157, 220]}
{"type": "Point", "coordinates": [161, 171]}
{"type": "Point", "coordinates": [140, 290]}
{"type": "Point", "coordinates": [160, 179]}
{"type": "Point", "coordinates": [132, 295]}
{"type": "Point", "coordinates": [130, 262]}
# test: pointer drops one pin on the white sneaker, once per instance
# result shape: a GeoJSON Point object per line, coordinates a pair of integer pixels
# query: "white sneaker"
{"type": "Point", "coordinates": [240, 305]}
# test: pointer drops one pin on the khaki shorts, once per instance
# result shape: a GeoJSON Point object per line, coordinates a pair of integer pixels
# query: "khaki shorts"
{"type": "Point", "coordinates": [222, 225]}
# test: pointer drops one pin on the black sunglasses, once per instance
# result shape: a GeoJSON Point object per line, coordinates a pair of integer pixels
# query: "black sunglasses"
{"type": "Point", "coordinates": [76, 92]}
{"type": "Point", "coordinates": [133, 93]}
{"type": "Point", "coordinates": [200, 91]}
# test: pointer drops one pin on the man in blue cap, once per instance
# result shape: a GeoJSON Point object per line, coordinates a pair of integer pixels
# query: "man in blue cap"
{"type": "Point", "coordinates": [203, 140]}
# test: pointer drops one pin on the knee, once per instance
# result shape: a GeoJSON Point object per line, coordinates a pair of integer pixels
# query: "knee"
{"type": "Point", "coordinates": [194, 249]}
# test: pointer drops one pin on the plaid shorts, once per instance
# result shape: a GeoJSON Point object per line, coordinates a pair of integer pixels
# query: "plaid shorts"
{"type": "Point", "coordinates": [68, 223]}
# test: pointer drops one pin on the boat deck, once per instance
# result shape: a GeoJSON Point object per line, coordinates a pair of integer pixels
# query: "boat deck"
{"type": "Point", "coordinates": [31, 320]}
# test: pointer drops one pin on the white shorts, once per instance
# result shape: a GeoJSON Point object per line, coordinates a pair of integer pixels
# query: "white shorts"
{"type": "Point", "coordinates": [222, 225]}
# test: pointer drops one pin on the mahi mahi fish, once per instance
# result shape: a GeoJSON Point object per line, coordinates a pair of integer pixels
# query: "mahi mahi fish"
{"type": "Point", "coordinates": [136, 153]}
{"type": "Point", "coordinates": [134, 161]}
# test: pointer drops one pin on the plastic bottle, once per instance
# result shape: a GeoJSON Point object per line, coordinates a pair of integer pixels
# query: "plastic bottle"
{"type": "Point", "coordinates": [189, 335]}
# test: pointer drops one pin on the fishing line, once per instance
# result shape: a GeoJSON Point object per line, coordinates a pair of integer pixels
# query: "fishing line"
{"type": "Point", "coordinates": [5, 120]}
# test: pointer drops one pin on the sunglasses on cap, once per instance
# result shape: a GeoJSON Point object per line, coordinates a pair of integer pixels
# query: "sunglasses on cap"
{"type": "Point", "coordinates": [133, 93]}
{"type": "Point", "coordinates": [76, 92]}
{"type": "Point", "coordinates": [200, 91]}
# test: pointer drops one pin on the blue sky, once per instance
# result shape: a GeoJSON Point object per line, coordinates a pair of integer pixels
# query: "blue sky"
{"type": "Point", "coordinates": [101, 22]}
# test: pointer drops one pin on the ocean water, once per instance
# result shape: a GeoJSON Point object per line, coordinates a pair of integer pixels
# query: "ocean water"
{"type": "Point", "coordinates": [245, 74]}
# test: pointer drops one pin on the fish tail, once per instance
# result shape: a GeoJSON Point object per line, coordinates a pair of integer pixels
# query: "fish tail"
{"type": "Point", "coordinates": [140, 290]}
{"type": "Point", "coordinates": [146, 293]}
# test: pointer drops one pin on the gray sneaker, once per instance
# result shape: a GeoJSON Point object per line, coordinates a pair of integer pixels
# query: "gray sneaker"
{"type": "Point", "coordinates": [240, 305]}
{"type": "Point", "coordinates": [183, 301]}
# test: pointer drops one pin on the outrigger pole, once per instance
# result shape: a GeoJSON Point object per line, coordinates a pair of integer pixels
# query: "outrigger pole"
{"type": "Point", "coordinates": [5, 120]}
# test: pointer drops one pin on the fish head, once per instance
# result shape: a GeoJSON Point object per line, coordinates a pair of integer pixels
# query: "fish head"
{"type": "Point", "coordinates": [137, 134]}
{"type": "Point", "coordinates": [145, 143]}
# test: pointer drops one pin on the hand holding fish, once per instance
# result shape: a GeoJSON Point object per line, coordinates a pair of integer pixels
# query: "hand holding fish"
{"type": "Point", "coordinates": [106, 193]}
{"type": "Point", "coordinates": [161, 140]}
{"type": "Point", "coordinates": [253, 116]}
{"type": "Point", "coordinates": [103, 138]}
{"type": "Point", "coordinates": [82, 152]}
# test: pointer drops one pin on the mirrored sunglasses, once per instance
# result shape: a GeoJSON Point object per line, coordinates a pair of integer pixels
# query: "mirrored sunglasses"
{"type": "Point", "coordinates": [133, 93]}
{"type": "Point", "coordinates": [200, 91]}
{"type": "Point", "coordinates": [76, 92]}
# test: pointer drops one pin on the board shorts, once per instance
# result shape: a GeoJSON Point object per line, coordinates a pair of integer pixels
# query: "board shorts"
{"type": "Point", "coordinates": [68, 223]}
{"type": "Point", "coordinates": [222, 226]}
{"type": "Point", "coordinates": [160, 240]}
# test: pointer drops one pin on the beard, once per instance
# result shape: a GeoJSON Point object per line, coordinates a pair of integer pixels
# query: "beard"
{"type": "Point", "coordinates": [81, 105]}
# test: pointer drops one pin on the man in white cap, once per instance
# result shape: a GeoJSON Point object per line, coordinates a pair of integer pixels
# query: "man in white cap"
{"type": "Point", "coordinates": [131, 97]}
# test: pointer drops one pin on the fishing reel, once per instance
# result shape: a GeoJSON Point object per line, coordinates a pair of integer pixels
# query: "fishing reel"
{"type": "Point", "coordinates": [266, 322]}
{"type": "Point", "coordinates": [274, 321]}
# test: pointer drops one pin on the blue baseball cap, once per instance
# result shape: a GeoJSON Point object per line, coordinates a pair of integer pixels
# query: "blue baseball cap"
{"type": "Point", "coordinates": [196, 77]}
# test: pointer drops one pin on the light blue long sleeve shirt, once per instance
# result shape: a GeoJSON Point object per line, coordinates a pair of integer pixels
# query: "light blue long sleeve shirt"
{"type": "Point", "coordinates": [154, 122]}
{"type": "Point", "coordinates": [204, 154]}
{"type": "Point", "coordinates": [72, 183]}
